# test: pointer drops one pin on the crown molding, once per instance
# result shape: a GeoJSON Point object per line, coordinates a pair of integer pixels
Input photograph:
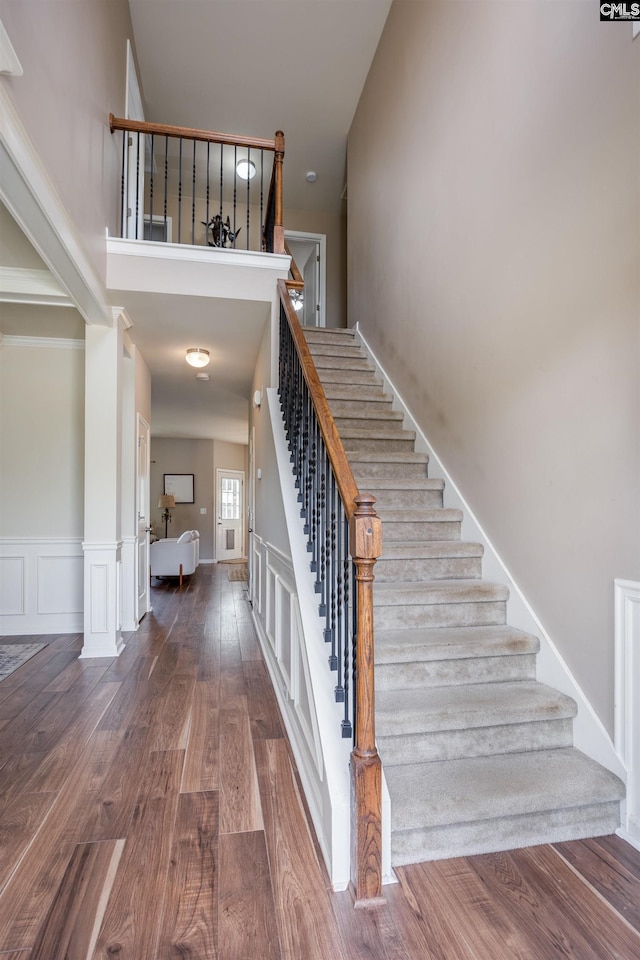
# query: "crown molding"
{"type": "Point", "coordinates": [56, 343]}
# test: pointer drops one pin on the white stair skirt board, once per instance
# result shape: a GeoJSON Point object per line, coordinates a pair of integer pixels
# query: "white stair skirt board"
{"type": "Point", "coordinates": [589, 734]}
{"type": "Point", "coordinates": [296, 657]}
{"type": "Point", "coordinates": [478, 753]}
{"type": "Point", "coordinates": [627, 701]}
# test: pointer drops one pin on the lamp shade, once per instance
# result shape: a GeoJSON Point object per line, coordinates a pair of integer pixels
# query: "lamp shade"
{"type": "Point", "coordinates": [197, 357]}
{"type": "Point", "coordinates": [166, 501]}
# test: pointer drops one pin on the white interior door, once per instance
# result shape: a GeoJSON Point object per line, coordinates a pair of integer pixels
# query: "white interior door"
{"type": "Point", "coordinates": [143, 514]}
{"type": "Point", "coordinates": [230, 514]}
{"type": "Point", "coordinates": [309, 250]}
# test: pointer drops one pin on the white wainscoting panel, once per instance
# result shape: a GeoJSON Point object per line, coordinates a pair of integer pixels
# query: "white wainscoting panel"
{"type": "Point", "coordinates": [41, 585]}
{"type": "Point", "coordinates": [627, 700]}
{"type": "Point", "coordinates": [102, 599]}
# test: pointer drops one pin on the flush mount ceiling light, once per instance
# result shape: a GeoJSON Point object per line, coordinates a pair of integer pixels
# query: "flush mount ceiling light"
{"type": "Point", "coordinates": [197, 357]}
{"type": "Point", "coordinates": [246, 169]}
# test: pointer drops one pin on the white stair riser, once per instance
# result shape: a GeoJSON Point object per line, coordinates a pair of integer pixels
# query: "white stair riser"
{"type": "Point", "coordinates": [438, 673]}
{"type": "Point", "coordinates": [440, 615]}
{"type": "Point", "coordinates": [481, 742]}
{"type": "Point", "coordinates": [504, 833]}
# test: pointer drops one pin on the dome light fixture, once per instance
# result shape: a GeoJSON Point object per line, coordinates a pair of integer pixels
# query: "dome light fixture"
{"type": "Point", "coordinates": [197, 357]}
{"type": "Point", "coordinates": [246, 169]}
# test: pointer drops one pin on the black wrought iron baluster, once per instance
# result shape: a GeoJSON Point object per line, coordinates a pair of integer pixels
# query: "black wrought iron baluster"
{"type": "Point", "coordinates": [261, 192]}
{"type": "Point", "coordinates": [347, 728]}
{"type": "Point", "coordinates": [339, 689]}
{"type": "Point", "coordinates": [325, 550]}
{"type": "Point", "coordinates": [235, 187]}
{"type": "Point", "coordinates": [221, 183]}
{"type": "Point", "coordinates": [207, 194]}
{"type": "Point", "coordinates": [313, 519]}
{"type": "Point", "coordinates": [151, 191]}
{"type": "Point", "coordinates": [332, 570]}
{"type": "Point", "coordinates": [193, 197]}
{"type": "Point", "coordinates": [138, 185]}
{"type": "Point", "coordinates": [180, 193]}
{"type": "Point", "coordinates": [123, 203]}
{"type": "Point", "coordinates": [248, 191]}
{"type": "Point", "coordinates": [166, 182]}
{"type": "Point", "coordinates": [354, 641]}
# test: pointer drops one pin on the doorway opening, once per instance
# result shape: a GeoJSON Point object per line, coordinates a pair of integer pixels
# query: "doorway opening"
{"type": "Point", "coordinates": [309, 252]}
{"type": "Point", "coordinates": [230, 514]}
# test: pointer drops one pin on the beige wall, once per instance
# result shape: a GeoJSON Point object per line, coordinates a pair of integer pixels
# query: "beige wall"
{"type": "Point", "coordinates": [498, 281]}
{"type": "Point", "coordinates": [73, 52]}
{"type": "Point", "coordinates": [185, 456]}
{"type": "Point", "coordinates": [41, 441]}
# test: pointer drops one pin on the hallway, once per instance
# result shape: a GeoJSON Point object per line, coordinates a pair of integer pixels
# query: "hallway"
{"type": "Point", "coordinates": [149, 810]}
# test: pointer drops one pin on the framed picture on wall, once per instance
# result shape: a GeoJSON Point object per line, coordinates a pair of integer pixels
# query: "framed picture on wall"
{"type": "Point", "coordinates": [180, 485]}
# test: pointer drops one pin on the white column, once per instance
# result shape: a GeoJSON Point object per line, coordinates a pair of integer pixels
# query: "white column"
{"type": "Point", "coordinates": [102, 505]}
{"type": "Point", "coordinates": [129, 528]}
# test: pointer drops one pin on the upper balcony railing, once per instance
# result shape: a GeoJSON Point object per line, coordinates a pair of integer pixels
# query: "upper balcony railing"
{"type": "Point", "coordinates": [181, 185]}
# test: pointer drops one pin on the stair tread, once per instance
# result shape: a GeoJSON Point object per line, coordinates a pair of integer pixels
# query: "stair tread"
{"type": "Point", "coordinates": [377, 416]}
{"type": "Point", "coordinates": [390, 456]}
{"type": "Point", "coordinates": [376, 433]}
{"type": "Point", "coordinates": [348, 332]}
{"type": "Point", "coordinates": [467, 706]}
{"type": "Point", "coordinates": [412, 515]}
{"type": "Point", "coordinates": [438, 591]}
{"type": "Point", "coordinates": [486, 788]}
{"type": "Point", "coordinates": [430, 549]}
{"type": "Point", "coordinates": [451, 643]}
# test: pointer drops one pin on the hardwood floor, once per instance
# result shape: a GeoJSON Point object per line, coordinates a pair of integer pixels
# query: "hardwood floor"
{"type": "Point", "coordinates": [150, 810]}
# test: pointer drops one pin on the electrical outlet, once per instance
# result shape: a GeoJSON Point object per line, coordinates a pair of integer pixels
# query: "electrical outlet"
{"type": "Point", "coordinates": [203, 509]}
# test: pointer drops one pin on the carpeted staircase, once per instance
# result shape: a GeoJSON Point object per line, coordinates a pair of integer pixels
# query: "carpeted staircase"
{"type": "Point", "coordinates": [477, 754]}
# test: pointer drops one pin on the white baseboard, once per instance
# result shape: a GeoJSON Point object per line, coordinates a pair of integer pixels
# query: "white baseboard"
{"type": "Point", "coordinates": [627, 699]}
{"type": "Point", "coordinates": [590, 735]}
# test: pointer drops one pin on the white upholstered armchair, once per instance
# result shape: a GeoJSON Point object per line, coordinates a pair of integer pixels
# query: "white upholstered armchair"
{"type": "Point", "coordinates": [175, 558]}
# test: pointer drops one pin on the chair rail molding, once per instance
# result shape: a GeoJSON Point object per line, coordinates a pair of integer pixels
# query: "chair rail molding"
{"type": "Point", "coordinates": [627, 699]}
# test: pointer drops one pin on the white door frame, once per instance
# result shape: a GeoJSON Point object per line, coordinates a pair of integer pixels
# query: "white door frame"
{"type": "Point", "coordinates": [241, 474]}
{"type": "Point", "coordinates": [321, 239]}
{"type": "Point", "coordinates": [143, 518]}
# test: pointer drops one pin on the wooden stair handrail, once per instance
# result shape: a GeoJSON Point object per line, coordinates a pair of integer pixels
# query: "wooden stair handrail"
{"type": "Point", "coordinates": [365, 544]}
{"type": "Point", "coordinates": [297, 283]}
{"type": "Point", "coordinates": [190, 133]}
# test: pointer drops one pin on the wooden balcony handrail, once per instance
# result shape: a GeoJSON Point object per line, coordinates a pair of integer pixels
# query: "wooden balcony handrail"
{"type": "Point", "coordinates": [190, 133]}
{"type": "Point", "coordinates": [365, 545]}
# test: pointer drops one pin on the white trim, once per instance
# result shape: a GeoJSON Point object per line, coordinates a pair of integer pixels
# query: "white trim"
{"type": "Point", "coordinates": [627, 699]}
{"type": "Point", "coordinates": [321, 239]}
{"type": "Point", "coordinates": [30, 196]}
{"type": "Point", "coordinates": [151, 249]}
{"type": "Point", "coordinates": [589, 733]}
{"type": "Point", "coordinates": [26, 285]}
{"type": "Point", "coordinates": [55, 343]}
{"type": "Point", "coordinates": [9, 62]}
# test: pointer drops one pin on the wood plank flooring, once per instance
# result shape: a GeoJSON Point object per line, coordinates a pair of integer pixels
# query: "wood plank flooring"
{"type": "Point", "coordinates": [150, 810]}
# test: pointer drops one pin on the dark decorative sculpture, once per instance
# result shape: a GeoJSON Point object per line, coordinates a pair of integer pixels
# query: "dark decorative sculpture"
{"type": "Point", "coordinates": [221, 233]}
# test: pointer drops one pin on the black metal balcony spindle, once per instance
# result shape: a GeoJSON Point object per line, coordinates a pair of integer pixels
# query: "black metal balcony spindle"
{"type": "Point", "coordinates": [137, 185]}
{"type": "Point", "coordinates": [221, 179]}
{"type": "Point", "coordinates": [207, 196]}
{"type": "Point", "coordinates": [180, 193]}
{"type": "Point", "coordinates": [248, 192]}
{"type": "Point", "coordinates": [235, 186]}
{"type": "Point", "coordinates": [166, 182]}
{"type": "Point", "coordinates": [123, 203]}
{"type": "Point", "coordinates": [193, 197]}
{"type": "Point", "coordinates": [261, 190]}
{"type": "Point", "coordinates": [151, 165]}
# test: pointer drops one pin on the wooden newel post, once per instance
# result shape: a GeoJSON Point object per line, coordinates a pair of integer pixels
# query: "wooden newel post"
{"type": "Point", "coordinates": [278, 227]}
{"type": "Point", "coordinates": [365, 533]}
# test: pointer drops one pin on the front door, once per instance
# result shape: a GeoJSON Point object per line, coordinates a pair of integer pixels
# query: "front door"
{"type": "Point", "coordinates": [230, 507]}
{"type": "Point", "coordinates": [143, 515]}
